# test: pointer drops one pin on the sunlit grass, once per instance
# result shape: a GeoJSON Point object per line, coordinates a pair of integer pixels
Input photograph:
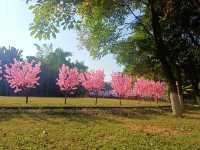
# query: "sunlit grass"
{"type": "Point", "coordinates": [47, 101]}
{"type": "Point", "coordinates": [102, 130]}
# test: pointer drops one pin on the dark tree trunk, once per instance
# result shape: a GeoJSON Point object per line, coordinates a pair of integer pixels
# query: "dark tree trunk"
{"type": "Point", "coordinates": [26, 99]}
{"type": "Point", "coordinates": [180, 95]}
{"type": "Point", "coordinates": [96, 100]}
{"type": "Point", "coordinates": [96, 93]}
{"type": "Point", "coordinates": [160, 53]}
{"type": "Point", "coordinates": [26, 94]}
{"type": "Point", "coordinates": [120, 100]}
{"type": "Point", "coordinates": [157, 100]}
{"type": "Point", "coordinates": [65, 98]}
{"type": "Point", "coordinates": [179, 87]}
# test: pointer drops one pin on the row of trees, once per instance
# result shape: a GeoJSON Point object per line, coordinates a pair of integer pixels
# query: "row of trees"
{"type": "Point", "coordinates": [154, 38]}
{"type": "Point", "coordinates": [24, 75]}
{"type": "Point", "coordinates": [50, 59]}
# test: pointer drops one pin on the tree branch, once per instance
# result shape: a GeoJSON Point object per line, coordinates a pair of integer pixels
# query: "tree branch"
{"type": "Point", "coordinates": [136, 17]}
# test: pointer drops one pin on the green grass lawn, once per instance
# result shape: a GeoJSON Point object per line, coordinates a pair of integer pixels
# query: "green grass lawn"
{"type": "Point", "coordinates": [46, 101]}
{"type": "Point", "coordinates": [106, 130]}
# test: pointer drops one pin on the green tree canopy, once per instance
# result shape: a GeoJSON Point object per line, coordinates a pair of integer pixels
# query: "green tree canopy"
{"type": "Point", "coordinates": [54, 58]}
{"type": "Point", "coordinates": [162, 37]}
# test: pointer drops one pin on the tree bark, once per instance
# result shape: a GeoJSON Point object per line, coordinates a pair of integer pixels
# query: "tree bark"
{"type": "Point", "coordinates": [180, 95]}
{"type": "Point", "coordinates": [160, 53]}
{"type": "Point", "coordinates": [25, 93]}
{"type": "Point", "coordinates": [96, 93]}
{"type": "Point", "coordinates": [175, 104]}
{"type": "Point", "coordinates": [65, 98]}
{"type": "Point", "coordinates": [26, 99]}
{"type": "Point", "coordinates": [157, 100]}
{"type": "Point", "coordinates": [96, 101]}
{"type": "Point", "coordinates": [179, 84]}
{"type": "Point", "coordinates": [120, 101]}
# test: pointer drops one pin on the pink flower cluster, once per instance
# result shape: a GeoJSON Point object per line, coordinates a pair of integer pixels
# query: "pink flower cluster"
{"type": "Point", "coordinates": [93, 80]}
{"type": "Point", "coordinates": [68, 78]}
{"type": "Point", "coordinates": [22, 75]}
{"type": "Point", "coordinates": [148, 88]}
{"type": "Point", "coordinates": [121, 84]}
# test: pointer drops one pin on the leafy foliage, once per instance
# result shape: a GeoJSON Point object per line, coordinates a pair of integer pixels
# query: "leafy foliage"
{"type": "Point", "coordinates": [124, 29]}
{"type": "Point", "coordinates": [164, 36]}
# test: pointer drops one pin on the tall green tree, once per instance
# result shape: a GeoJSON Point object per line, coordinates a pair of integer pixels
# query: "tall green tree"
{"type": "Point", "coordinates": [54, 58]}
{"type": "Point", "coordinates": [152, 32]}
{"type": "Point", "coordinates": [51, 59]}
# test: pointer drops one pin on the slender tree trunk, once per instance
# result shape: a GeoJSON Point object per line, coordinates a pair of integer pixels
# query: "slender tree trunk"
{"type": "Point", "coordinates": [179, 87]}
{"type": "Point", "coordinates": [26, 99]}
{"type": "Point", "coordinates": [160, 53]}
{"type": "Point", "coordinates": [168, 94]}
{"type": "Point", "coordinates": [120, 100]}
{"type": "Point", "coordinates": [96, 93]}
{"type": "Point", "coordinates": [26, 94]}
{"type": "Point", "coordinates": [175, 103]}
{"type": "Point", "coordinates": [65, 98]}
{"type": "Point", "coordinates": [180, 96]}
{"type": "Point", "coordinates": [96, 100]}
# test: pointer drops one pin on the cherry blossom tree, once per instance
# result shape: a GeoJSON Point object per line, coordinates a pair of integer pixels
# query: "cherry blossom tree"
{"type": "Point", "coordinates": [149, 88]}
{"type": "Point", "coordinates": [121, 84]}
{"type": "Point", "coordinates": [22, 75]}
{"type": "Point", "coordinates": [67, 80]}
{"type": "Point", "coordinates": [93, 81]}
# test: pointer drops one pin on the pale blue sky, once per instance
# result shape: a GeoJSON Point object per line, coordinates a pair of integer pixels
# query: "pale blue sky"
{"type": "Point", "coordinates": [15, 18]}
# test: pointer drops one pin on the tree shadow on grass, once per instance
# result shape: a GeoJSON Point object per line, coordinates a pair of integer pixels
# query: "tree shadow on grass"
{"type": "Point", "coordinates": [50, 117]}
{"type": "Point", "coordinates": [82, 116]}
{"type": "Point", "coordinates": [141, 114]}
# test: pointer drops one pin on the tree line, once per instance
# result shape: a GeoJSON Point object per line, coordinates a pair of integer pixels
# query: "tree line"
{"type": "Point", "coordinates": [24, 76]}
{"type": "Point", "coordinates": [51, 59]}
{"type": "Point", "coordinates": [155, 38]}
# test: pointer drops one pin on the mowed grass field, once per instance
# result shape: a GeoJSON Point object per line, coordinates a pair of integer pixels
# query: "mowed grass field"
{"type": "Point", "coordinates": [103, 130]}
{"type": "Point", "coordinates": [49, 101]}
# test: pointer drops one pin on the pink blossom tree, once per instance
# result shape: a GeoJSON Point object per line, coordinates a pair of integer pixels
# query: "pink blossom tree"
{"type": "Point", "coordinates": [149, 88]}
{"type": "Point", "coordinates": [67, 80]}
{"type": "Point", "coordinates": [121, 84]}
{"type": "Point", "coordinates": [93, 81]}
{"type": "Point", "coordinates": [22, 75]}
